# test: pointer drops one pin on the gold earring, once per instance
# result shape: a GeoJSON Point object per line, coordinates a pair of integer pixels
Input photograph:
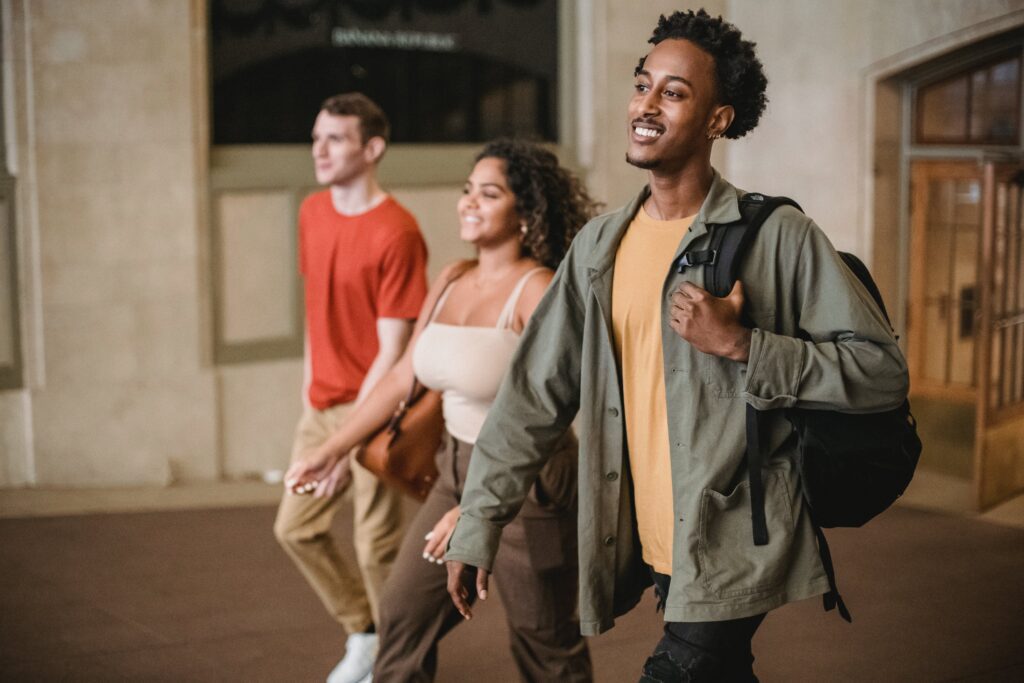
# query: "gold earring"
{"type": "Point", "coordinates": [523, 229]}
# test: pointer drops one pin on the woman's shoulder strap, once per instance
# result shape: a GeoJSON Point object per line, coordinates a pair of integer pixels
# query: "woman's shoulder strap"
{"type": "Point", "coordinates": [508, 312]}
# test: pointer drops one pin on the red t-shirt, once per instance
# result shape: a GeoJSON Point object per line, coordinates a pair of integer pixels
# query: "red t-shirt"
{"type": "Point", "coordinates": [356, 269]}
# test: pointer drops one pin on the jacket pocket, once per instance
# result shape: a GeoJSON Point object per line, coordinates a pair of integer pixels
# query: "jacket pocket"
{"type": "Point", "coordinates": [555, 488]}
{"type": "Point", "coordinates": [730, 564]}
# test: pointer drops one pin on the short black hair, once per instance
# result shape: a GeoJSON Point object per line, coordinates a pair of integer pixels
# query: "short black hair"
{"type": "Point", "coordinates": [740, 74]}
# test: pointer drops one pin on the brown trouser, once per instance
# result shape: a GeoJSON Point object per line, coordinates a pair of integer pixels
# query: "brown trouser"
{"type": "Point", "coordinates": [535, 570]}
{"type": "Point", "coordinates": [350, 591]}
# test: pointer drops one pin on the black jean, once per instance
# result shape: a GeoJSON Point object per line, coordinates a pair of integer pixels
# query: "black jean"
{"type": "Point", "coordinates": [695, 652]}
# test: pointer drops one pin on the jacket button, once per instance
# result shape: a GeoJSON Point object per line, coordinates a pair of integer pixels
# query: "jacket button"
{"type": "Point", "coordinates": [611, 476]}
{"type": "Point", "coordinates": [614, 412]}
{"type": "Point", "coordinates": [609, 540]}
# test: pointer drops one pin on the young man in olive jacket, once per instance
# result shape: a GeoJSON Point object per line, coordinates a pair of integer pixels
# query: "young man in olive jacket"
{"type": "Point", "coordinates": [660, 372]}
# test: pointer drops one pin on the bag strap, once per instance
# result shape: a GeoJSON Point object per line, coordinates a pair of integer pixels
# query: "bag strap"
{"type": "Point", "coordinates": [395, 423]}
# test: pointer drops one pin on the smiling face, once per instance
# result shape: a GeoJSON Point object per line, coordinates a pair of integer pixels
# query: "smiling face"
{"type": "Point", "coordinates": [339, 153]}
{"type": "Point", "coordinates": [487, 207]}
{"type": "Point", "coordinates": [674, 108]}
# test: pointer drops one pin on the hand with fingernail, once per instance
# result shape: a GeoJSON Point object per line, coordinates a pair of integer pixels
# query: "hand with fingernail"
{"type": "Point", "coordinates": [460, 578]}
{"type": "Point", "coordinates": [321, 473]}
{"type": "Point", "coordinates": [437, 539]}
{"type": "Point", "coordinates": [711, 324]}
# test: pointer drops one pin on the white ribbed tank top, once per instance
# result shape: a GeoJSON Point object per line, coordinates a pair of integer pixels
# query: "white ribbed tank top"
{"type": "Point", "coordinates": [467, 363]}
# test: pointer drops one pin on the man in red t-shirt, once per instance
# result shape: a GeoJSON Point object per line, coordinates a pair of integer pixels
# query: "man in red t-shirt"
{"type": "Point", "coordinates": [363, 260]}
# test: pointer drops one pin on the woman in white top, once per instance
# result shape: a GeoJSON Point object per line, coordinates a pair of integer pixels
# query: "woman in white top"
{"type": "Point", "coordinates": [520, 209]}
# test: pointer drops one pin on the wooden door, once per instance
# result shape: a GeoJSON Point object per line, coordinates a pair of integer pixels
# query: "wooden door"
{"type": "Point", "coordinates": [942, 317]}
{"type": "Point", "coordinates": [999, 442]}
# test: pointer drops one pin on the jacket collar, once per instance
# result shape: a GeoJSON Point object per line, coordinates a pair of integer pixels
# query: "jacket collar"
{"type": "Point", "coordinates": [720, 206]}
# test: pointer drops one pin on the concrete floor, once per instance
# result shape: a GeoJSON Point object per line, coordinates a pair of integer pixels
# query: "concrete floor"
{"type": "Point", "coordinates": [199, 591]}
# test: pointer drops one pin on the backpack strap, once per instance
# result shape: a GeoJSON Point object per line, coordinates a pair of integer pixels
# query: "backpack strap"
{"type": "Point", "coordinates": [727, 247]}
{"type": "Point", "coordinates": [832, 599]}
{"type": "Point", "coordinates": [755, 461]}
{"type": "Point", "coordinates": [729, 242]}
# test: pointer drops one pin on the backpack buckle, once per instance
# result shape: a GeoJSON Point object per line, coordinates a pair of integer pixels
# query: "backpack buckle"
{"type": "Point", "coordinates": [705, 257]}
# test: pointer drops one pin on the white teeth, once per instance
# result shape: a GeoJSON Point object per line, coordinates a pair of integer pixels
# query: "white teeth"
{"type": "Point", "coordinates": [647, 132]}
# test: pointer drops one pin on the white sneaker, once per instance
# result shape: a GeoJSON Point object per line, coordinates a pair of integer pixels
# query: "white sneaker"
{"type": "Point", "coordinates": [357, 664]}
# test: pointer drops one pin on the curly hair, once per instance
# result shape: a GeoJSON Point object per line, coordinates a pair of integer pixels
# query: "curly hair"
{"type": "Point", "coordinates": [738, 71]}
{"type": "Point", "coordinates": [549, 198]}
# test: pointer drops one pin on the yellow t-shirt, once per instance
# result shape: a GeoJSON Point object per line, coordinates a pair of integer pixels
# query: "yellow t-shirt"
{"type": "Point", "coordinates": [641, 266]}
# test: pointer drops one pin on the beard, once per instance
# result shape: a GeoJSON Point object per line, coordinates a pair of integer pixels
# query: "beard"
{"type": "Point", "coordinates": [645, 164]}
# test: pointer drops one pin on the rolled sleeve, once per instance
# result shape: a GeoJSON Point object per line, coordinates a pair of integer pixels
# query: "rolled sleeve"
{"type": "Point", "coordinates": [847, 360]}
{"type": "Point", "coordinates": [474, 542]}
{"type": "Point", "coordinates": [773, 371]}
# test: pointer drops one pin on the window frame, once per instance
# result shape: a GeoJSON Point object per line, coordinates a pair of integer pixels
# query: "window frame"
{"type": "Point", "coordinates": [967, 72]}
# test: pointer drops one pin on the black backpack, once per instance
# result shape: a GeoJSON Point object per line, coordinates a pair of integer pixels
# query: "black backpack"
{"type": "Point", "coordinates": [852, 466]}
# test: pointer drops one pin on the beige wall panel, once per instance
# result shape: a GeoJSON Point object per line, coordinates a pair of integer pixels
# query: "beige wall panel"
{"type": "Point", "coordinates": [260, 406]}
{"type": "Point", "coordinates": [80, 163]}
{"type": "Point", "coordinates": [165, 333]}
{"type": "Point", "coordinates": [1004, 465]}
{"type": "Point", "coordinates": [257, 264]}
{"type": "Point", "coordinates": [80, 224]}
{"type": "Point", "coordinates": [122, 396]}
{"type": "Point", "coordinates": [90, 344]}
{"type": "Point", "coordinates": [14, 443]}
{"type": "Point", "coordinates": [123, 434]}
{"type": "Point", "coordinates": [7, 320]}
{"type": "Point", "coordinates": [95, 436]}
{"type": "Point", "coordinates": [434, 208]}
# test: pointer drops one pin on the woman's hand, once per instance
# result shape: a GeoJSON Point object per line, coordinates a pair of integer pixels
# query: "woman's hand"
{"type": "Point", "coordinates": [336, 480]}
{"type": "Point", "coordinates": [325, 471]}
{"type": "Point", "coordinates": [437, 539]}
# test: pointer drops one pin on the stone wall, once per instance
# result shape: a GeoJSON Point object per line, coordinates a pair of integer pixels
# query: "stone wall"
{"type": "Point", "coordinates": [107, 204]}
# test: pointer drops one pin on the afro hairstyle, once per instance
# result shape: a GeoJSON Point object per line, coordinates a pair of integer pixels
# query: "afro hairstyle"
{"type": "Point", "coordinates": [740, 74]}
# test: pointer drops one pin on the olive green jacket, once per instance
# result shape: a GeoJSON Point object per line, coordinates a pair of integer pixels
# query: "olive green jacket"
{"type": "Point", "coordinates": [566, 363]}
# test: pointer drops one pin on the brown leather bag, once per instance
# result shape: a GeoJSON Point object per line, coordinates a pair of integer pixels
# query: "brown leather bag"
{"type": "Point", "coordinates": [402, 453]}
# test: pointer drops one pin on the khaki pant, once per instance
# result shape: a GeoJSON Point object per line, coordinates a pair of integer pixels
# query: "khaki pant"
{"type": "Point", "coordinates": [350, 590]}
{"type": "Point", "coordinates": [535, 570]}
